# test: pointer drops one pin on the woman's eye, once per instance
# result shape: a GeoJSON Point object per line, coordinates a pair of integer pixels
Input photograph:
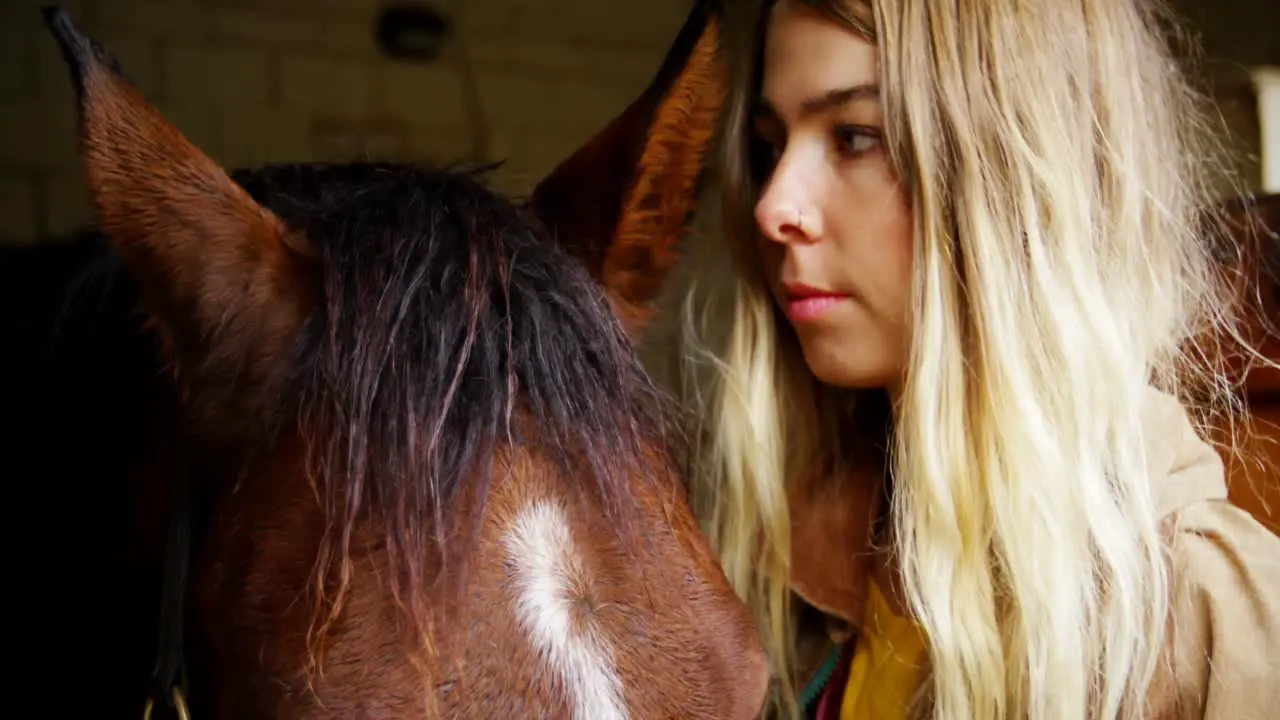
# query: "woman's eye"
{"type": "Point", "coordinates": [853, 140]}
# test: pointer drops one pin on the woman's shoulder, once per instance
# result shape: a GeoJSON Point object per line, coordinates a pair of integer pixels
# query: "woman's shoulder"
{"type": "Point", "coordinates": [1224, 649]}
{"type": "Point", "coordinates": [1225, 568]}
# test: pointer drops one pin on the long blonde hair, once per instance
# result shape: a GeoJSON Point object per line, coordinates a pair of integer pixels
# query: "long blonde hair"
{"type": "Point", "coordinates": [1057, 163]}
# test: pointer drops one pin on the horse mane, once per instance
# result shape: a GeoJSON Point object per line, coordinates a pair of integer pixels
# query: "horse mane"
{"type": "Point", "coordinates": [447, 316]}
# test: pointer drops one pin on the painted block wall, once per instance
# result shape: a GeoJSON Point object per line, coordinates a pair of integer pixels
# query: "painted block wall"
{"type": "Point", "coordinates": [257, 80]}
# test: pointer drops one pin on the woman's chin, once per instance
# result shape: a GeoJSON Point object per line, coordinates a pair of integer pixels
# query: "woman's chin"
{"type": "Point", "coordinates": [845, 367]}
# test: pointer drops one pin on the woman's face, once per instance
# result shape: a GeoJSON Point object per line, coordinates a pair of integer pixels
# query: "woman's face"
{"type": "Point", "coordinates": [836, 223]}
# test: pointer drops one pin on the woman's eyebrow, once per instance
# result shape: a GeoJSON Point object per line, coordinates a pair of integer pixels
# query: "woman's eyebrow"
{"type": "Point", "coordinates": [822, 102]}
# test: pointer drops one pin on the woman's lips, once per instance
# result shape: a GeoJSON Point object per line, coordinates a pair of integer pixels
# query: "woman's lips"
{"type": "Point", "coordinates": [807, 304]}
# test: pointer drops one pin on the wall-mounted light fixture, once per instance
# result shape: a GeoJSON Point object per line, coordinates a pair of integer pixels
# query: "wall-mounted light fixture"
{"type": "Point", "coordinates": [413, 32]}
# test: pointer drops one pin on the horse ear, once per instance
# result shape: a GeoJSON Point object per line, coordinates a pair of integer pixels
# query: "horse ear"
{"type": "Point", "coordinates": [623, 201]}
{"type": "Point", "coordinates": [221, 277]}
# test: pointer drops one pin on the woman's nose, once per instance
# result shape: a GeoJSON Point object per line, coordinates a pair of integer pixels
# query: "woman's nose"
{"type": "Point", "coordinates": [786, 212]}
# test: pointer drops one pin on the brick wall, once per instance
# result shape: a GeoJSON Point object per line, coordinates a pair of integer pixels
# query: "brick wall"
{"type": "Point", "coordinates": [258, 80]}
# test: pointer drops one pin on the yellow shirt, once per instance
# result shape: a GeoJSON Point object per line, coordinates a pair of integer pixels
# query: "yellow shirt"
{"type": "Point", "coordinates": [888, 664]}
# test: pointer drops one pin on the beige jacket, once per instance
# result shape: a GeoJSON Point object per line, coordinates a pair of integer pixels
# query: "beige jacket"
{"type": "Point", "coordinates": [1224, 645]}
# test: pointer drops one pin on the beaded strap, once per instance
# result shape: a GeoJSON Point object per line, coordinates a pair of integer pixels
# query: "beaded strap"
{"type": "Point", "coordinates": [819, 682]}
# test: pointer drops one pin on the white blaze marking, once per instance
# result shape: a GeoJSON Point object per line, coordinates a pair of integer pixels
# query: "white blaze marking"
{"type": "Point", "coordinates": [541, 552]}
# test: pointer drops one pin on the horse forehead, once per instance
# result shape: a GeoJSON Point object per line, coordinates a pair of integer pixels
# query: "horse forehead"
{"type": "Point", "coordinates": [538, 539]}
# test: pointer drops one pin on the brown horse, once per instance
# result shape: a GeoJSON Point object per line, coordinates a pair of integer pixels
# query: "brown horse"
{"type": "Point", "coordinates": [392, 423]}
{"type": "Point", "coordinates": [1252, 448]}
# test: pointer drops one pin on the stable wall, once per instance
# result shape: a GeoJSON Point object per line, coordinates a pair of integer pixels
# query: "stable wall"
{"type": "Point", "coordinates": [251, 81]}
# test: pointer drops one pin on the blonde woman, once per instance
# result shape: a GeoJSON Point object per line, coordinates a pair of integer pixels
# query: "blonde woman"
{"type": "Point", "coordinates": [949, 457]}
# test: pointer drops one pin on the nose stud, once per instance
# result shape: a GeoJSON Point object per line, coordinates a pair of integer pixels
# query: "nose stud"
{"type": "Point", "coordinates": [799, 223]}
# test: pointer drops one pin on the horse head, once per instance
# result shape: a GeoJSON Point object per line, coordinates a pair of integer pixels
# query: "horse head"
{"type": "Point", "coordinates": [431, 472]}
